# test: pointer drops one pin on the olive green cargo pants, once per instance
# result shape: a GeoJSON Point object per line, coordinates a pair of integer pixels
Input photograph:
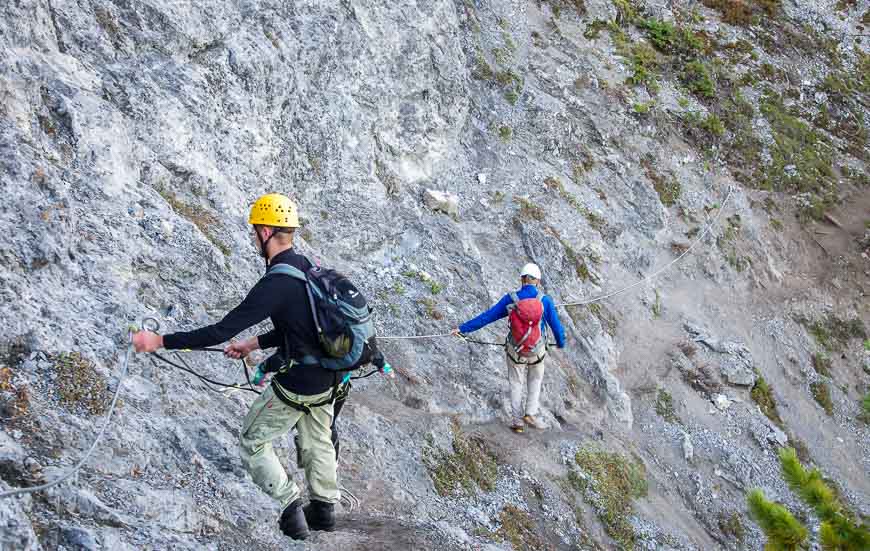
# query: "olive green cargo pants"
{"type": "Point", "coordinates": [270, 418]}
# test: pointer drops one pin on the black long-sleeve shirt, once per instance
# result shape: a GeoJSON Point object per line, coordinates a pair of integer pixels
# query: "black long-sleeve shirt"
{"type": "Point", "coordinates": [285, 301]}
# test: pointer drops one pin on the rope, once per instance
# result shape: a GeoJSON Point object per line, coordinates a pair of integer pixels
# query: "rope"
{"type": "Point", "coordinates": [203, 377]}
{"type": "Point", "coordinates": [369, 374]}
{"type": "Point", "coordinates": [663, 268]}
{"type": "Point", "coordinates": [472, 341]}
{"type": "Point", "coordinates": [99, 437]}
{"type": "Point", "coordinates": [395, 337]}
{"type": "Point", "coordinates": [352, 500]}
{"type": "Point", "coordinates": [602, 297]}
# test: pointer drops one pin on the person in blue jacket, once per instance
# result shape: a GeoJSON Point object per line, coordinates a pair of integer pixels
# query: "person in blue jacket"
{"type": "Point", "coordinates": [530, 277]}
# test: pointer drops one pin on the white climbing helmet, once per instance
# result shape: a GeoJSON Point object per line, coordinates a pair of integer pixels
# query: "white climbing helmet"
{"type": "Point", "coordinates": [531, 269]}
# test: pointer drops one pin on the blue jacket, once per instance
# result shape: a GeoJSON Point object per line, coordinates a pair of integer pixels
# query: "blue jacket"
{"type": "Point", "coordinates": [500, 311]}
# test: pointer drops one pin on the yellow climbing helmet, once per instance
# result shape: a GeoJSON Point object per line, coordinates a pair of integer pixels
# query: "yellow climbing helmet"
{"type": "Point", "coordinates": [274, 209]}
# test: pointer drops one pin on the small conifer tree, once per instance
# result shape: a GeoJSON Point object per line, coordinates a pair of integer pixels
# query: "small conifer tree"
{"type": "Point", "coordinates": [783, 531]}
{"type": "Point", "coordinates": [839, 531]}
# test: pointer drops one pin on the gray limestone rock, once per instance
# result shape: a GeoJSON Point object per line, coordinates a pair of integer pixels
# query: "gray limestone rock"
{"type": "Point", "coordinates": [442, 201]}
{"type": "Point", "coordinates": [688, 448]}
{"type": "Point", "coordinates": [134, 136]}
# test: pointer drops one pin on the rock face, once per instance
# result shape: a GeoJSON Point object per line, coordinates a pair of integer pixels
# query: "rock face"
{"type": "Point", "coordinates": [134, 136]}
{"type": "Point", "coordinates": [447, 203]}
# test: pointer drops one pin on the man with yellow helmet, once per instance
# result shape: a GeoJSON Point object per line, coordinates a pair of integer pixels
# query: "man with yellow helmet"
{"type": "Point", "coordinates": [305, 394]}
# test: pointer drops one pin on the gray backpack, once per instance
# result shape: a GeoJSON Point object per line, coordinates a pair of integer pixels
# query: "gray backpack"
{"type": "Point", "coordinates": [341, 314]}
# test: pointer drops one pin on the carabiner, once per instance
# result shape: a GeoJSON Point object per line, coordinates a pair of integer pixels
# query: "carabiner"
{"type": "Point", "coordinates": [151, 324]}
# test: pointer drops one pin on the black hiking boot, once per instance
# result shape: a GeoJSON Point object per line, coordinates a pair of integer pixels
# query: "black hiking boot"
{"type": "Point", "coordinates": [292, 521]}
{"type": "Point", "coordinates": [320, 515]}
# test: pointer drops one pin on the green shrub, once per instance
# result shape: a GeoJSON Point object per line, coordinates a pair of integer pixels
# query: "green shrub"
{"type": "Point", "coordinates": [626, 12]}
{"type": "Point", "coordinates": [798, 146]}
{"type": "Point", "coordinates": [696, 77]}
{"type": "Point", "coordinates": [840, 530]}
{"type": "Point", "coordinates": [644, 66]}
{"type": "Point", "coordinates": [643, 108]}
{"type": "Point", "coordinates": [713, 125]}
{"type": "Point", "coordinates": [662, 34]}
{"type": "Point", "coordinates": [665, 406]}
{"type": "Point", "coordinates": [670, 39]}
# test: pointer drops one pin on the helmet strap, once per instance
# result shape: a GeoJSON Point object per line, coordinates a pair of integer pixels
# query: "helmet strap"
{"type": "Point", "coordinates": [263, 243]}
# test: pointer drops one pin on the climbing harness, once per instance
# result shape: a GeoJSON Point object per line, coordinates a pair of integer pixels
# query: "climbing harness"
{"type": "Point", "coordinates": [306, 408]}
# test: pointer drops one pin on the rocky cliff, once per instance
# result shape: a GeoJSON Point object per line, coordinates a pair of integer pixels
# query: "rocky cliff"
{"type": "Point", "coordinates": [599, 139]}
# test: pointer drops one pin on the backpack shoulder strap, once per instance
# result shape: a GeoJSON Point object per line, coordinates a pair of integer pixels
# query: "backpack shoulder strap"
{"type": "Point", "coordinates": [515, 299]}
{"type": "Point", "coordinates": [288, 270]}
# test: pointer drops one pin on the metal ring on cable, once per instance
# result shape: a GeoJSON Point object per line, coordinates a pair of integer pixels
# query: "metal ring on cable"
{"type": "Point", "coordinates": [151, 324]}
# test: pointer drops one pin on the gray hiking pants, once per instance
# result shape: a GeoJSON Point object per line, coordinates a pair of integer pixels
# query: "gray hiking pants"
{"type": "Point", "coordinates": [270, 418]}
{"type": "Point", "coordinates": [520, 375]}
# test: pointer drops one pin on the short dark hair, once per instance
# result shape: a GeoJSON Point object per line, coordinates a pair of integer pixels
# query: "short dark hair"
{"type": "Point", "coordinates": [277, 229]}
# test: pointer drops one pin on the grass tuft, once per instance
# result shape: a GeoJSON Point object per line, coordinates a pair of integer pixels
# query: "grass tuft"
{"type": "Point", "coordinates": [205, 221]}
{"type": "Point", "coordinates": [833, 333]}
{"type": "Point", "coordinates": [611, 481]}
{"type": "Point", "coordinates": [665, 406]}
{"type": "Point", "coordinates": [470, 466]}
{"type": "Point", "coordinates": [822, 394]}
{"type": "Point", "coordinates": [762, 395]}
{"type": "Point", "coordinates": [529, 210]}
{"type": "Point", "coordinates": [79, 384]}
{"type": "Point", "coordinates": [519, 528]}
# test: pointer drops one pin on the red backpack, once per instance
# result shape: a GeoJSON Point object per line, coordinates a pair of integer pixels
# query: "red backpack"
{"type": "Point", "coordinates": [524, 317]}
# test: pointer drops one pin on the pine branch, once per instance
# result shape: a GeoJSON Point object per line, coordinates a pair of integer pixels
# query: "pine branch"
{"type": "Point", "coordinates": [829, 540]}
{"type": "Point", "coordinates": [839, 531]}
{"type": "Point", "coordinates": [809, 485]}
{"type": "Point", "coordinates": [784, 532]}
{"type": "Point", "coordinates": [792, 471]}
